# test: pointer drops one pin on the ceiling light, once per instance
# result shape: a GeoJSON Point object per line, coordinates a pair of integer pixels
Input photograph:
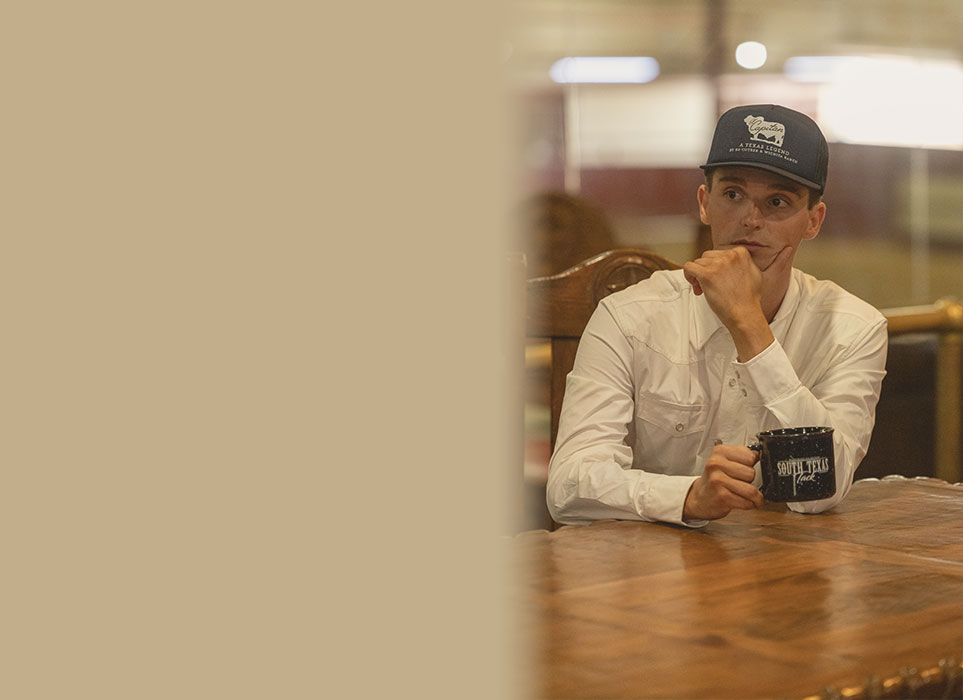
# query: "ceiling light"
{"type": "Point", "coordinates": [605, 69]}
{"type": "Point", "coordinates": [751, 55]}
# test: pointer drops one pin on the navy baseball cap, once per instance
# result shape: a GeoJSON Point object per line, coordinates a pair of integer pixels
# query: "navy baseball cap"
{"type": "Point", "coordinates": [774, 138]}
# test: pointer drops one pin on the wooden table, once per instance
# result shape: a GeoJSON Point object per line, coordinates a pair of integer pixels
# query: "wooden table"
{"type": "Point", "coordinates": [864, 601]}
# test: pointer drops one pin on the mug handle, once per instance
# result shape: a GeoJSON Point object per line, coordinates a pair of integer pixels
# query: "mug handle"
{"type": "Point", "coordinates": [756, 447]}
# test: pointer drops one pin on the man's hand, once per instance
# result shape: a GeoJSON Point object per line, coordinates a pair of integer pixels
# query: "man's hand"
{"type": "Point", "coordinates": [736, 291]}
{"type": "Point", "coordinates": [730, 280]}
{"type": "Point", "coordinates": [725, 485]}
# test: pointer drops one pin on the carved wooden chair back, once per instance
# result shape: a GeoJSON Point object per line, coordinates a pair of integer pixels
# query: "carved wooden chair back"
{"type": "Point", "coordinates": [559, 307]}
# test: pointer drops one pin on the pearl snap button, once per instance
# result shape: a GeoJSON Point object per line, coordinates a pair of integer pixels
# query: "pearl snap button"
{"type": "Point", "coordinates": [679, 427]}
{"type": "Point", "coordinates": [732, 382]}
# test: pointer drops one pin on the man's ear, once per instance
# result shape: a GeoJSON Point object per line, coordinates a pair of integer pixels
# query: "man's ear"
{"type": "Point", "coordinates": [816, 216]}
{"type": "Point", "coordinates": [702, 194]}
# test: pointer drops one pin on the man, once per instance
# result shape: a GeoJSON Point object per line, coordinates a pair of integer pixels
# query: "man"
{"type": "Point", "coordinates": [674, 376]}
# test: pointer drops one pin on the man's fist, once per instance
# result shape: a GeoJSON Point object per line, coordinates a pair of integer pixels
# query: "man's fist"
{"type": "Point", "coordinates": [725, 485]}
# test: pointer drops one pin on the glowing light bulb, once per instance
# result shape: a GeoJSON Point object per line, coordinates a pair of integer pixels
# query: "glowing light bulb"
{"type": "Point", "coordinates": [751, 55]}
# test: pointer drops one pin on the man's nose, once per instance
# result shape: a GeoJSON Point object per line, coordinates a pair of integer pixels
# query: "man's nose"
{"type": "Point", "coordinates": [753, 216]}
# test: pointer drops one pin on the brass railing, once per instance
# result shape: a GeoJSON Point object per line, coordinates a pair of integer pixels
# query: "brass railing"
{"type": "Point", "coordinates": [944, 316]}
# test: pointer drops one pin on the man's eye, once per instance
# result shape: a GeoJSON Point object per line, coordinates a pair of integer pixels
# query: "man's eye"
{"type": "Point", "coordinates": [730, 194]}
{"type": "Point", "coordinates": [778, 202]}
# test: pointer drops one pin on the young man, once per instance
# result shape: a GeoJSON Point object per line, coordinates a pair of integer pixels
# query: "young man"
{"type": "Point", "coordinates": [675, 375]}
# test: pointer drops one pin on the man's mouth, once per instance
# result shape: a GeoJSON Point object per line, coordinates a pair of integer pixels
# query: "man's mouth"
{"type": "Point", "coordinates": [750, 245]}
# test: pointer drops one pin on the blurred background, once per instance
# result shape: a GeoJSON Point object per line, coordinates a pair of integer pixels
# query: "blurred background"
{"type": "Point", "coordinates": [883, 78]}
{"type": "Point", "coordinates": [616, 101]}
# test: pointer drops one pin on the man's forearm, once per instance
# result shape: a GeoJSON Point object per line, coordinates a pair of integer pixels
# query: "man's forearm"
{"type": "Point", "coordinates": [750, 334]}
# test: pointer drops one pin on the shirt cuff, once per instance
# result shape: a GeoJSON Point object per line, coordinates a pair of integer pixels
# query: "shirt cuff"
{"type": "Point", "coordinates": [664, 500]}
{"type": "Point", "coordinates": [768, 376]}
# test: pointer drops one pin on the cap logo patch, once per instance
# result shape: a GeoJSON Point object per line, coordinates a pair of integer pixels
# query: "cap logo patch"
{"type": "Point", "coordinates": [767, 132]}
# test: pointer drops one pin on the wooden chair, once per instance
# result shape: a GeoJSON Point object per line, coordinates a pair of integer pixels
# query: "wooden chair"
{"type": "Point", "coordinates": [559, 306]}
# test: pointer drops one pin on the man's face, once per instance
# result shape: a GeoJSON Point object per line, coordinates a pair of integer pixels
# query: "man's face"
{"type": "Point", "coordinates": [759, 210]}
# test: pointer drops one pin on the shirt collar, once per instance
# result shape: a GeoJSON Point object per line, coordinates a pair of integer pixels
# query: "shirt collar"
{"type": "Point", "coordinates": [705, 323]}
{"type": "Point", "coordinates": [787, 309]}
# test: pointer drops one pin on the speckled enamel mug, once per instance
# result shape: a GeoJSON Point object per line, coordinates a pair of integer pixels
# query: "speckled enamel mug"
{"type": "Point", "coordinates": [797, 464]}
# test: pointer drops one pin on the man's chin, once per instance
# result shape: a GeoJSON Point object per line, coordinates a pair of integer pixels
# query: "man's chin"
{"type": "Point", "coordinates": [764, 260]}
{"type": "Point", "coordinates": [762, 257]}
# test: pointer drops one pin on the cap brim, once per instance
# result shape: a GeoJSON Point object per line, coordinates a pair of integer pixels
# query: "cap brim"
{"type": "Point", "coordinates": [771, 168]}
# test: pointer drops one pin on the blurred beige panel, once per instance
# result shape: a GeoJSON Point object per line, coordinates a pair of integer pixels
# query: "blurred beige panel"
{"type": "Point", "coordinates": [665, 124]}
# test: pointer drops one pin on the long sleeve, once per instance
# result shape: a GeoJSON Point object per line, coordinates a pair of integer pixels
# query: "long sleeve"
{"type": "Point", "coordinates": [843, 396]}
{"type": "Point", "coordinates": [590, 474]}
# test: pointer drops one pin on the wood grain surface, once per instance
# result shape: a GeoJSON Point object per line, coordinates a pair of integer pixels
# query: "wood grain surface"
{"type": "Point", "coordinates": [863, 601]}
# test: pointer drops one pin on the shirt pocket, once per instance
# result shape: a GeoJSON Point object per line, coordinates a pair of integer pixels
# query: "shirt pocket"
{"type": "Point", "coordinates": [669, 434]}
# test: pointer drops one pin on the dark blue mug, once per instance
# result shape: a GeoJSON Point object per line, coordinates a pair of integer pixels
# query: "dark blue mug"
{"type": "Point", "coordinates": [797, 464]}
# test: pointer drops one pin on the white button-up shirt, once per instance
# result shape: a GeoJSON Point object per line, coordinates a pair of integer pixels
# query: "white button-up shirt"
{"type": "Point", "coordinates": [656, 384]}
